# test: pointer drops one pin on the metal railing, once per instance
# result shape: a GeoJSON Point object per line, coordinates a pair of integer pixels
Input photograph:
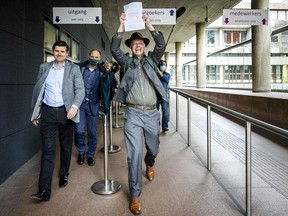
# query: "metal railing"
{"type": "Point", "coordinates": [249, 121]}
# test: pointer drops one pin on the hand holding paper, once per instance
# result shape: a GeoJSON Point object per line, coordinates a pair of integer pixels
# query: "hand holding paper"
{"type": "Point", "coordinates": [134, 20]}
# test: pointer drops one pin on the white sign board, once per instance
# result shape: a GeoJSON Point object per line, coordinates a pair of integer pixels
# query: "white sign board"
{"type": "Point", "coordinates": [245, 17]}
{"type": "Point", "coordinates": [161, 16]}
{"type": "Point", "coordinates": [80, 15]}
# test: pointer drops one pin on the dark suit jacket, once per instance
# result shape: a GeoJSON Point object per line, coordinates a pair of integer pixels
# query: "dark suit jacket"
{"type": "Point", "coordinates": [72, 89]}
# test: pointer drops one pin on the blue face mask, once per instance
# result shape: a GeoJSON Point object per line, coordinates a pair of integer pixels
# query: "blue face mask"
{"type": "Point", "coordinates": [163, 67]}
{"type": "Point", "coordinates": [94, 61]}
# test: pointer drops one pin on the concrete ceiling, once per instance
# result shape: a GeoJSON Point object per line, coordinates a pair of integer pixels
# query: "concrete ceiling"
{"type": "Point", "coordinates": [185, 25]}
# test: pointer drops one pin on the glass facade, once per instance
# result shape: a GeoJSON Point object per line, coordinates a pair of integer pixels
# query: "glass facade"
{"type": "Point", "coordinates": [53, 33]}
{"type": "Point", "coordinates": [234, 65]}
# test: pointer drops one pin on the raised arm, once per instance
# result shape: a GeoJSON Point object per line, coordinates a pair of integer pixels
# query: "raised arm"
{"type": "Point", "coordinates": [146, 20]}
{"type": "Point", "coordinates": [121, 22]}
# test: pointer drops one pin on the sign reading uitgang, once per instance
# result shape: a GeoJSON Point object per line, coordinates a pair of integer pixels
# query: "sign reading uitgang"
{"type": "Point", "coordinates": [80, 15]}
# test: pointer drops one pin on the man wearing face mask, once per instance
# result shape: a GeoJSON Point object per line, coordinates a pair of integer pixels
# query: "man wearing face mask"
{"type": "Point", "coordinates": [91, 72]}
{"type": "Point", "coordinates": [164, 79]}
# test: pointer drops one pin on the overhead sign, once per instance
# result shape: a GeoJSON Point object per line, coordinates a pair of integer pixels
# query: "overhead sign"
{"type": "Point", "coordinates": [245, 17]}
{"type": "Point", "coordinates": [80, 15]}
{"type": "Point", "coordinates": [161, 16]}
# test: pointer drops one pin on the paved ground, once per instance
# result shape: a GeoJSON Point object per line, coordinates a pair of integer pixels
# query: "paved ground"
{"type": "Point", "coordinates": [183, 186]}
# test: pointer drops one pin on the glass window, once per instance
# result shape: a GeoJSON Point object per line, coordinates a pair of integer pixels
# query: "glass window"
{"type": "Point", "coordinates": [48, 57]}
{"type": "Point", "coordinates": [210, 37]}
{"type": "Point", "coordinates": [65, 37]}
{"type": "Point", "coordinates": [284, 44]}
{"type": "Point", "coordinates": [234, 37]}
{"type": "Point", "coordinates": [103, 45]}
{"type": "Point", "coordinates": [227, 37]}
{"type": "Point", "coordinates": [75, 50]}
{"type": "Point", "coordinates": [50, 35]}
{"type": "Point", "coordinates": [211, 75]}
{"type": "Point", "coordinates": [273, 15]}
{"type": "Point", "coordinates": [284, 33]}
{"type": "Point", "coordinates": [281, 15]}
{"type": "Point", "coordinates": [243, 36]}
{"type": "Point", "coordinates": [274, 39]}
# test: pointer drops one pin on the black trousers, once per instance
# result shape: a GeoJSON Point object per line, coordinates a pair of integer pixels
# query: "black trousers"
{"type": "Point", "coordinates": [53, 124]}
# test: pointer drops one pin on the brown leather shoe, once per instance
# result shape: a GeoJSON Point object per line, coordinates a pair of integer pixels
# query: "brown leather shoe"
{"type": "Point", "coordinates": [150, 173]}
{"type": "Point", "coordinates": [135, 206]}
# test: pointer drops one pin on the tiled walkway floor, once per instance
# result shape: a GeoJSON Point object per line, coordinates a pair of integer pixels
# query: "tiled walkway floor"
{"type": "Point", "coordinates": [182, 186]}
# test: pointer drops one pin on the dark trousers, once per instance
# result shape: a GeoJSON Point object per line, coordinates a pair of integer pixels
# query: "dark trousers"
{"type": "Point", "coordinates": [88, 117]}
{"type": "Point", "coordinates": [54, 123]}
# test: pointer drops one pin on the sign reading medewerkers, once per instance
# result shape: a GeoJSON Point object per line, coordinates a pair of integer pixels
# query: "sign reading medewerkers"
{"type": "Point", "coordinates": [80, 15]}
{"type": "Point", "coordinates": [161, 16]}
{"type": "Point", "coordinates": [245, 17]}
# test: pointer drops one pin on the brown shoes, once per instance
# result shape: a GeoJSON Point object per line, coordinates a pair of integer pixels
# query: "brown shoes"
{"type": "Point", "coordinates": [150, 173]}
{"type": "Point", "coordinates": [135, 206]}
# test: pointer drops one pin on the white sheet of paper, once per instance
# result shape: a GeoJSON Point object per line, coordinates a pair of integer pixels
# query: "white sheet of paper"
{"type": "Point", "coordinates": [133, 19]}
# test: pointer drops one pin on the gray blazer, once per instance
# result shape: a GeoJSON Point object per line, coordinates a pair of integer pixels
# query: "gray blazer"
{"type": "Point", "coordinates": [73, 91]}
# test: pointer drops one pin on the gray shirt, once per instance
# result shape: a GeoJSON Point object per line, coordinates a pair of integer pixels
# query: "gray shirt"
{"type": "Point", "coordinates": [142, 91]}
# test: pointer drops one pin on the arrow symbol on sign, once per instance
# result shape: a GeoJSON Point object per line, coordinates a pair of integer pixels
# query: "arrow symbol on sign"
{"type": "Point", "coordinates": [226, 20]}
{"type": "Point", "coordinates": [264, 21]}
{"type": "Point", "coordinates": [97, 19]}
{"type": "Point", "coordinates": [171, 12]}
{"type": "Point", "coordinates": [57, 19]}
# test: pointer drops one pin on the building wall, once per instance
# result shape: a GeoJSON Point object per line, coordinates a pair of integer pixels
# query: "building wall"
{"type": "Point", "coordinates": [21, 53]}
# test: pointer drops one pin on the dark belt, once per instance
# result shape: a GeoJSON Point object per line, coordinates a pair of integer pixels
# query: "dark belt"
{"type": "Point", "coordinates": [60, 107]}
{"type": "Point", "coordinates": [142, 107]}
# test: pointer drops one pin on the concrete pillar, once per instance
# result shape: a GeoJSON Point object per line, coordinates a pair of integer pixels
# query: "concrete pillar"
{"type": "Point", "coordinates": [178, 64]}
{"type": "Point", "coordinates": [261, 43]}
{"type": "Point", "coordinates": [200, 55]}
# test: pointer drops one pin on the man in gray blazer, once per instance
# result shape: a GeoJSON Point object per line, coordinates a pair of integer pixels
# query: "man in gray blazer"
{"type": "Point", "coordinates": [57, 95]}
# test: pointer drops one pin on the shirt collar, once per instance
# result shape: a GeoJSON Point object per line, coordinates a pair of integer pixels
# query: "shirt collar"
{"type": "Point", "coordinates": [53, 66]}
